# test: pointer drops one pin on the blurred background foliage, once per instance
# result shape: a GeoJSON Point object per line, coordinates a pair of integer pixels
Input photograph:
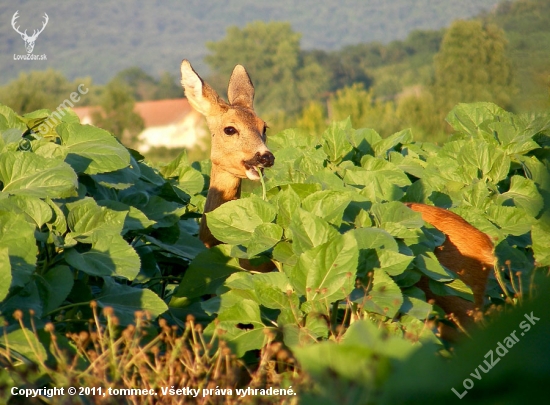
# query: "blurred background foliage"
{"type": "Point", "coordinates": [501, 56]}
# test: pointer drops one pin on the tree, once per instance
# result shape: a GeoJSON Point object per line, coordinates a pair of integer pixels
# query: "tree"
{"type": "Point", "coordinates": [40, 89]}
{"type": "Point", "coordinates": [472, 66]}
{"type": "Point", "coordinates": [271, 54]}
{"type": "Point", "coordinates": [117, 113]}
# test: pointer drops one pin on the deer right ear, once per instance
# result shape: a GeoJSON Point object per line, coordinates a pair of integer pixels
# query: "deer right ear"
{"type": "Point", "coordinates": [200, 95]}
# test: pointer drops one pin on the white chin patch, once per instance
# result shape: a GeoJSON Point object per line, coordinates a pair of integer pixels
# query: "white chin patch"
{"type": "Point", "coordinates": [252, 174]}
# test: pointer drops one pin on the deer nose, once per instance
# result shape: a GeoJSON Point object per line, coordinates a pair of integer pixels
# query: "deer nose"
{"type": "Point", "coordinates": [266, 160]}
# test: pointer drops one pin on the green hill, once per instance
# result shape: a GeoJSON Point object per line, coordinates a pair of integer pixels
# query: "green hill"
{"type": "Point", "coordinates": [98, 39]}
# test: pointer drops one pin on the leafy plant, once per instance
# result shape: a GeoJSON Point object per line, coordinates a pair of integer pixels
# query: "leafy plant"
{"type": "Point", "coordinates": [84, 219]}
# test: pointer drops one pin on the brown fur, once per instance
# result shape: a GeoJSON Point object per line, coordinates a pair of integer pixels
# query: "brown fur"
{"type": "Point", "coordinates": [229, 152]}
{"type": "Point", "coordinates": [466, 251]}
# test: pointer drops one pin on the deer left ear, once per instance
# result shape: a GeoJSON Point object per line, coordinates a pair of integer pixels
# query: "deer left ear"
{"type": "Point", "coordinates": [241, 89]}
{"type": "Point", "coordinates": [200, 95]}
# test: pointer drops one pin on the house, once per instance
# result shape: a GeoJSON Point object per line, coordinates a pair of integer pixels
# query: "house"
{"type": "Point", "coordinates": [168, 123]}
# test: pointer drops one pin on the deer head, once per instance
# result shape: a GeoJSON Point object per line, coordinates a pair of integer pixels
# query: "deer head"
{"type": "Point", "coordinates": [238, 136]}
{"type": "Point", "coordinates": [29, 41]}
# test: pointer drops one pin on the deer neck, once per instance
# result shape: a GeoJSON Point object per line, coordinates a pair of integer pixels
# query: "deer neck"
{"type": "Point", "coordinates": [224, 187]}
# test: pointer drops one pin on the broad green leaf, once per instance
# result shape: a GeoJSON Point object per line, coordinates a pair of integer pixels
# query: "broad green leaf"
{"type": "Point", "coordinates": [109, 255]}
{"type": "Point", "coordinates": [428, 264]}
{"type": "Point", "coordinates": [12, 120]}
{"type": "Point", "coordinates": [384, 145]}
{"type": "Point", "coordinates": [397, 219]}
{"type": "Point", "coordinates": [126, 300]}
{"type": "Point", "coordinates": [5, 273]}
{"type": "Point", "coordinates": [240, 324]}
{"type": "Point", "coordinates": [468, 118]}
{"type": "Point", "coordinates": [86, 218]}
{"type": "Point", "coordinates": [92, 150]}
{"type": "Point", "coordinates": [393, 263]}
{"type": "Point", "coordinates": [541, 244]}
{"type": "Point", "coordinates": [328, 204]}
{"type": "Point", "coordinates": [309, 231]}
{"type": "Point", "coordinates": [330, 268]}
{"type": "Point", "coordinates": [35, 208]}
{"type": "Point", "coordinates": [234, 222]}
{"type": "Point", "coordinates": [264, 237]}
{"type": "Point", "coordinates": [207, 272]}
{"type": "Point", "coordinates": [17, 235]}
{"type": "Point", "coordinates": [511, 220]}
{"type": "Point", "coordinates": [60, 281]}
{"type": "Point", "coordinates": [363, 140]}
{"type": "Point", "coordinates": [164, 213]}
{"type": "Point", "coordinates": [135, 219]}
{"type": "Point", "coordinates": [185, 246]}
{"type": "Point", "coordinates": [59, 223]}
{"type": "Point", "coordinates": [385, 296]}
{"type": "Point", "coordinates": [418, 308]}
{"type": "Point", "coordinates": [455, 287]}
{"type": "Point", "coordinates": [24, 342]}
{"type": "Point", "coordinates": [493, 163]}
{"type": "Point", "coordinates": [191, 181]}
{"type": "Point", "coordinates": [24, 173]}
{"type": "Point", "coordinates": [287, 202]}
{"type": "Point", "coordinates": [290, 138]}
{"type": "Point", "coordinates": [371, 238]}
{"type": "Point", "coordinates": [335, 140]}
{"type": "Point", "coordinates": [275, 291]}
{"type": "Point", "coordinates": [525, 195]}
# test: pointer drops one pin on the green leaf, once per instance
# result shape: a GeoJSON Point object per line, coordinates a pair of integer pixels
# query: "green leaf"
{"type": "Point", "coordinates": [468, 118]}
{"type": "Point", "coordinates": [36, 209]}
{"type": "Point", "coordinates": [287, 202]}
{"type": "Point", "coordinates": [491, 162]}
{"type": "Point", "coordinates": [511, 220]}
{"type": "Point", "coordinates": [275, 291]}
{"type": "Point", "coordinates": [86, 218]}
{"type": "Point", "coordinates": [17, 235]}
{"type": "Point", "coordinates": [135, 219]}
{"type": "Point", "coordinates": [26, 343]}
{"type": "Point", "coordinates": [541, 244]}
{"type": "Point", "coordinates": [92, 150]}
{"type": "Point", "coordinates": [207, 272]}
{"type": "Point", "coordinates": [60, 281]}
{"type": "Point", "coordinates": [109, 255]}
{"type": "Point", "coordinates": [24, 173]}
{"type": "Point", "coordinates": [330, 268]}
{"type": "Point", "coordinates": [309, 231]}
{"type": "Point", "coordinates": [385, 297]}
{"type": "Point", "coordinates": [456, 287]}
{"type": "Point", "coordinates": [335, 140]}
{"type": "Point", "coordinates": [328, 204]}
{"type": "Point", "coordinates": [428, 264]}
{"type": "Point", "coordinates": [382, 147]}
{"type": "Point", "coordinates": [239, 323]}
{"type": "Point", "coordinates": [126, 300]}
{"type": "Point", "coordinates": [5, 273]}
{"type": "Point", "coordinates": [264, 237]}
{"type": "Point", "coordinates": [525, 195]}
{"type": "Point", "coordinates": [397, 219]}
{"type": "Point", "coordinates": [235, 221]}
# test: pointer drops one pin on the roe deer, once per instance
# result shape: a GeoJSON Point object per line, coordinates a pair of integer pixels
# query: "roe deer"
{"type": "Point", "coordinates": [239, 151]}
{"type": "Point", "coordinates": [466, 251]}
{"type": "Point", "coordinates": [238, 137]}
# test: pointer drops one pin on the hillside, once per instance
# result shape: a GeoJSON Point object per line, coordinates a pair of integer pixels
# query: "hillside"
{"type": "Point", "coordinates": [98, 39]}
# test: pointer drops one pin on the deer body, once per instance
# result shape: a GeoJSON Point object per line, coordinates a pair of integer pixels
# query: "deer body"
{"type": "Point", "coordinates": [239, 151]}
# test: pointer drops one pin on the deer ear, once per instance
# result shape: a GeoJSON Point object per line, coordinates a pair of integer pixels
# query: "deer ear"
{"type": "Point", "coordinates": [200, 95]}
{"type": "Point", "coordinates": [241, 89]}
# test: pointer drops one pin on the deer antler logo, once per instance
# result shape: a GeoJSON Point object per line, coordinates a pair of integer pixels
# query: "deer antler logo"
{"type": "Point", "coordinates": [29, 40]}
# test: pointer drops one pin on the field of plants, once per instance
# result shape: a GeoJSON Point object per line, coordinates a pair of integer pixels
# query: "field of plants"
{"type": "Point", "coordinates": [104, 282]}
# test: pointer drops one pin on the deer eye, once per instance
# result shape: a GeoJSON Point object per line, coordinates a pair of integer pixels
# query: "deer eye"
{"type": "Point", "coordinates": [230, 130]}
{"type": "Point", "coordinates": [265, 129]}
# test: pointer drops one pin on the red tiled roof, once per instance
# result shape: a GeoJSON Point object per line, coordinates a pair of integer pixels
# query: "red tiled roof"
{"type": "Point", "coordinates": [154, 113]}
